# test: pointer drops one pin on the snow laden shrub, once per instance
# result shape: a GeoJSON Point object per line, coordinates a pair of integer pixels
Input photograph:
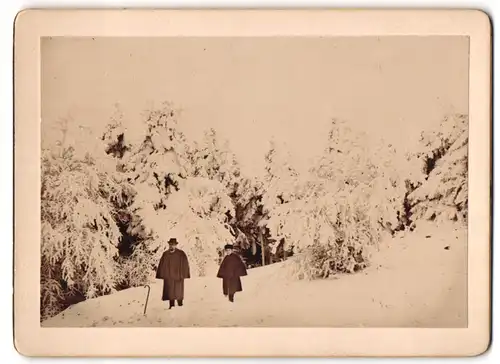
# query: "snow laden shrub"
{"type": "Point", "coordinates": [330, 229]}
{"type": "Point", "coordinates": [138, 268]}
{"type": "Point", "coordinates": [79, 233]}
{"type": "Point", "coordinates": [196, 216]}
{"type": "Point", "coordinates": [443, 195]}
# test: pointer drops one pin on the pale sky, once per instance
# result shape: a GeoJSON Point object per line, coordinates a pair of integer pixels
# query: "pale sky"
{"type": "Point", "coordinates": [250, 89]}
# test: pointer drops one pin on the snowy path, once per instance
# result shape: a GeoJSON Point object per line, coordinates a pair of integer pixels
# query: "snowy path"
{"type": "Point", "coordinates": [413, 281]}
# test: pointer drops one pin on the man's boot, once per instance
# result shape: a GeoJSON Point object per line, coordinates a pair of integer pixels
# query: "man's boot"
{"type": "Point", "coordinates": [231, 298]}
{"type": "Point", "coordinates": [179, 302]}
{"type": "Point", "coordinates": [172, 304]}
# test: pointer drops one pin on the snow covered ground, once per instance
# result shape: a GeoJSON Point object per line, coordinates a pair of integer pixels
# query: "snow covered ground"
{"type": "Point", "coordinates": [415, 280]}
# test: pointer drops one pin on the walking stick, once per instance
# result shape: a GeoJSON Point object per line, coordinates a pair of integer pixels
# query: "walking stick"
{"type": "Point", "coordinates": [147, 298]}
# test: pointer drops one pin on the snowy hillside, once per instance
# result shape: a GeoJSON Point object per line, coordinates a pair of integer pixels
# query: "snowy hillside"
{"type": "Point", "coordinates": [414, 280]}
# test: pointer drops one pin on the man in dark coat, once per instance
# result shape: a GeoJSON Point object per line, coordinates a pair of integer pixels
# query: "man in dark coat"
{"type": "Point", "coordinates": [230, 270]}
{"type": "Point", "coordinates": [173, 269]}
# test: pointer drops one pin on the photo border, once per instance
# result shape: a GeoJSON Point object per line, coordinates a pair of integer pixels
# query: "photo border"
{"type": "Point", "coordinates": [33, 340]}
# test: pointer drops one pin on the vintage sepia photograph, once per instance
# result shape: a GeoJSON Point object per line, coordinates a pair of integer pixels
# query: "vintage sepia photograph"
{"type": "Point", "coordinates": [242, 182]}
{"type": "Point", "coordinates": [310, 183]}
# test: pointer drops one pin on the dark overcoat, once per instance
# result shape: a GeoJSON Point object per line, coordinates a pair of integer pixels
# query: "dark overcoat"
{"type": "Point", "coordinates": [230, 270]}
{"type": "Point", "coordinates": [173, 269]}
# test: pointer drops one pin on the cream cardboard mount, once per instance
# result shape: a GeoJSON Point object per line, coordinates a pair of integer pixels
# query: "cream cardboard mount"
{"type": "Point", "coordinates": [308, 100]}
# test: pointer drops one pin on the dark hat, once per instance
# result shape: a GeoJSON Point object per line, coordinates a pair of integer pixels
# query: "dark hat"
{"type": "Point", "coordinates": [173, 241]}
{"type": "Point", "coordinates": [228, 246]}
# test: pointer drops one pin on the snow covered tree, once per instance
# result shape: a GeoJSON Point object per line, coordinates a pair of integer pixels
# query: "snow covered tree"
{"type": "Point", "coordinates": [444, 163]}
{"type": "Point", "coordinates": [358, 164]}
{"type": "Point", "coordinates": [213, 159]}
{"type": "Point", "coordinates": [281, 185]}
{"type": "Point", "coordinates": [347, 157]}
{"type": "Point", "coordinates": [156, 160]}
{"type": "Point", "coordinates": [397, 174]}
{"type": "Point", "coordinates": [248, 215]}
{"type": "Point", "coordinates": [79, 233]}
{"type": "Point", "coordinates": [327, 214]}
{"type": "Point", "coordinates": [281, 180]}
{"type": "Point", "coordinates": [114, 135]}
